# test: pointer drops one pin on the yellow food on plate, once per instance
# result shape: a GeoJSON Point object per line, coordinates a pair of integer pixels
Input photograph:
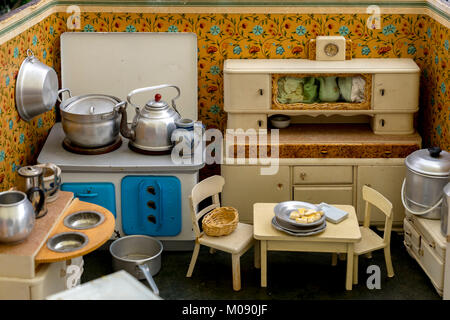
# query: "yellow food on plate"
{"type": "Point", "coordinates": [303, 215]}
{"type": "Point", "coordinates": [294, 215]}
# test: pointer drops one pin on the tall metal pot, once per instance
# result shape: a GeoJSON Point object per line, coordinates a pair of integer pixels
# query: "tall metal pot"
{"type": "Point", "coordinates": [427, 174]}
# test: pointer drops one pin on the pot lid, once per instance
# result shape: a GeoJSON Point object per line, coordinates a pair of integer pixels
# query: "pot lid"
{"type": "Point", "coordinates": [30, 171]}
{"type": "Point", "coordinates": [157, 103]}
{"type": "Point", "coordinates": [431, 161]}
{"type": "Point", "coordinates": [91, 104]}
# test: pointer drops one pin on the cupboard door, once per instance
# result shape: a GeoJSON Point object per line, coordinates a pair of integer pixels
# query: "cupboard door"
{"type": "Point", "coordinates": [247, 91]}
{"type": "Point", "coordinates": [396, 91]}
{"type": "Point", "coordinates": [244, 186]}
{"type": "Point", "coordinates": [387, 180]}
{"type": "Point", "coordinates": [328, 194]}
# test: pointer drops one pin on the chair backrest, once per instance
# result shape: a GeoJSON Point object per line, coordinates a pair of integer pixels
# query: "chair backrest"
{"type": "Point", "coordinates": [210, 187]}
{"type": "Point", "coordinates": [373, 197]}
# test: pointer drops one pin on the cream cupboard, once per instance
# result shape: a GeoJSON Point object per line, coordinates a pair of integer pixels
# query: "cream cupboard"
{"type": "Point", "coordinates": [331, 149]}
{"type": "Point", "coordinates": [335, 181]}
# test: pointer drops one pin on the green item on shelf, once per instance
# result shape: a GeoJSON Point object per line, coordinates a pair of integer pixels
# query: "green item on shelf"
{"type": "Point", "coordinates": [345, 87]}
{"type": "Point", "coordinates": [309, 90]}
{"type": "Point", "coordinates": [290, 90]}
{"type": "Point", "coordinates": [329, 90]}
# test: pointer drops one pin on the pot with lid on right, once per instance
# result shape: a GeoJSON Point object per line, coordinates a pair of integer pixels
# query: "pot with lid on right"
{"type": "Point", "coordinates": [426, 175]}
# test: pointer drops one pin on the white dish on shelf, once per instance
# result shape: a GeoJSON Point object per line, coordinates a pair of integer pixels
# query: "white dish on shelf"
{"type": "Point", "coordinates": [280, 121]}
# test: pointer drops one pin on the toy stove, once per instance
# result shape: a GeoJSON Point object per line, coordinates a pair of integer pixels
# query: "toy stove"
{"type": "Point", "coordinates": [148, 194]}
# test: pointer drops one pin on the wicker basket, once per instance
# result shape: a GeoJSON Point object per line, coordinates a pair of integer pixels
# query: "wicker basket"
{"type": "Point", "coordinates": [220, 222]}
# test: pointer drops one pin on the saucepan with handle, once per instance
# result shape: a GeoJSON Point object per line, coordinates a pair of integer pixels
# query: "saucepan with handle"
{"type": "Point", "coordinates": [139, 255]}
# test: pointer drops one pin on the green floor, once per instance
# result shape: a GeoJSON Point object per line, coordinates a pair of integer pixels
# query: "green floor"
{"type": "Point", "coordinates": [291, 276]}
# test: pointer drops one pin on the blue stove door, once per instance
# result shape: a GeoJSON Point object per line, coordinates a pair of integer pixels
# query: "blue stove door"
{"type": "Point", "coordinates": [151, 205]}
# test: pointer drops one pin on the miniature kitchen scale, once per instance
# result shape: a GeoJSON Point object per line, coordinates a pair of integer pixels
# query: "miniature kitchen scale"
{"type": "Point", "coordinates": [148, 194]}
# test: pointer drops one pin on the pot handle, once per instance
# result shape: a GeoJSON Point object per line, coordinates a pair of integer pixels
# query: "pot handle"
{"type": "Point", "coordinates": [64, 90]}
{"type": "Point", "coordinates": [418, 213]}
{"type": "Point", "coordinates": [136, 91]}
{"type": "Point", "coordinates": [146, 270]}
{"type": "Point", "coordinates": [40, 204]}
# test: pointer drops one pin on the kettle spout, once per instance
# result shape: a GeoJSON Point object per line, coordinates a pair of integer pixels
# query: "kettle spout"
{"type": "Point", "coordinates": [124, 129]}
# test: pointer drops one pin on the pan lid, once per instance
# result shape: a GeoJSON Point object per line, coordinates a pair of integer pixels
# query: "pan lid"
{"type": "Point", "coordinates": [432, 161]}
{"type": "Point", "coordinates": [91, 104]}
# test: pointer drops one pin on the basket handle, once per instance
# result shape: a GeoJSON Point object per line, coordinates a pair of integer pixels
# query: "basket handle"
{"type": "Point", "coordinates": [418, 213]}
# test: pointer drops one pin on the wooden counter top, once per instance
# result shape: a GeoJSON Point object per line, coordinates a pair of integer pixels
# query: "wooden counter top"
{"type": "Point", "coordinates": [97, 235]}
{"type": "Point", "coordinates": [17, 260]}
{"type": "Point", "coordinates": [336, 141]}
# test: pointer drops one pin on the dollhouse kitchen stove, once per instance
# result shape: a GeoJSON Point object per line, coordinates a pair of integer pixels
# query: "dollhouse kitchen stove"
{"type": "Point", "coordinates": [148, 194]}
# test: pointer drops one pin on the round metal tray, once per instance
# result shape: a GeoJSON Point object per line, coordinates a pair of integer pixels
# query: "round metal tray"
{"type": "Point", "coordinates": [284, 209]}
{"type": "Point", "coordinates": [82, 220]}
{"type": "Point", "coordinates": [67, 241]}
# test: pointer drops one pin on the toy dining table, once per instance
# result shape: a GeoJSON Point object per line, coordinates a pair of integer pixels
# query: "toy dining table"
{"type": "Point", "coordinates": [337, 238]}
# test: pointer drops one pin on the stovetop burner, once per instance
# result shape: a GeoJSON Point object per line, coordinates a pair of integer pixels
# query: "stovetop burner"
{"type": "Point", "coordinates": [69, 146]}
{"type": "Point", "coordinates": [151, 153]}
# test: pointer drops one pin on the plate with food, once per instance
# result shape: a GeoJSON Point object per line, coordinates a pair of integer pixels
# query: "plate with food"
{"type": "Point", "coordinates": [299, 213]}
{"type": "Point", "coordinates": [307, 232]}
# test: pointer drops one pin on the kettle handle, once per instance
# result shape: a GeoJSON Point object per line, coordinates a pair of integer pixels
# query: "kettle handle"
{"type": "Point", "coordinates": [136, 91]}
{"type": "Point", "coordinates": [40, 204]}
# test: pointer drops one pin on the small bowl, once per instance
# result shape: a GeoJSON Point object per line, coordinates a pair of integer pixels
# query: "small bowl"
{"type": "Point", "coordinates": [280, 121]}
{"type": "Point", "coordinates": [67, 241]}
{"type": "Point", "coordinates": [82, 220]}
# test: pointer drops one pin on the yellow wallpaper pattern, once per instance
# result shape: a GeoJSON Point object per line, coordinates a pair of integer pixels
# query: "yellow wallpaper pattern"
{"type": "Point", "coordinates": [224, 36]}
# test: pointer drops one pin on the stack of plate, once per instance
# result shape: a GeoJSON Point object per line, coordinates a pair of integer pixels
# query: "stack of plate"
{"type": "Point", "coordinates": [282, 222]}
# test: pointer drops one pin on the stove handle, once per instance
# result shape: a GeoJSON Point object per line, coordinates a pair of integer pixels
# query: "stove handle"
{"type": "Point", "coordinates": [86, 195]}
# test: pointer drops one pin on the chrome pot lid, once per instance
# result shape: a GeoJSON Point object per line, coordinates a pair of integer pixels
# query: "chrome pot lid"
{"type": "Point", "coordinates": [91, 104]}
{"type": "Point", "coordinates": [30, 171]}
{"type": "Point", "coordinates": [431, 161]}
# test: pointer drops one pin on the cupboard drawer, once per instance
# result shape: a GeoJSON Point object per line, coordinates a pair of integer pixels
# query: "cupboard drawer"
{"type": "Point", "coordinates": [328, 194]}
{"type": "Point", "coordinates": [432, 264]}
{"type": "Point", "coordinates": [396, 91]}
{"type": "Point", "coordinates": [323, 174]}
{"type": "Point", "coordinates": [247, 92]}
{"type": "Point", "coordinates": [246, 121]}
{"type": "Point", "coordinates": [411, 235]}
{"type": "Point", "coordinates": [393, 123]}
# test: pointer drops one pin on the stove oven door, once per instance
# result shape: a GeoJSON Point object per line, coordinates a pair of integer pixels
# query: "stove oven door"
{"type": "Point", "coordinates": [151, 205]}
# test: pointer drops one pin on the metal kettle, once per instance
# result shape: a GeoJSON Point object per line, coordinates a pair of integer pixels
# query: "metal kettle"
{"type": "Point", "coordinates": [153, 124]}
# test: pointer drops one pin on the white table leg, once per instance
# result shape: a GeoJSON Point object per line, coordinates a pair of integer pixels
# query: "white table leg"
{"type": "Point", "coordinates": [263, 245]}
{"type": "Point", "coordinates": [349, 278]}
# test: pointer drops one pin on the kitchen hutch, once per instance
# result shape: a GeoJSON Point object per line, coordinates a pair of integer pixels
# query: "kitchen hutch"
{"type": "Point", "coordinates": [331, 147]}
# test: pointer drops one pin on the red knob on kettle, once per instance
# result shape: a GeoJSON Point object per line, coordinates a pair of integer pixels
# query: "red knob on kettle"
{"type": "Point", "coordinates": [157, 97]}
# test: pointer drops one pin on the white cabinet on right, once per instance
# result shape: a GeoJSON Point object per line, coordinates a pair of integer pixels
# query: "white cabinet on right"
{"type": "Point", "coordinates": [388, 181]}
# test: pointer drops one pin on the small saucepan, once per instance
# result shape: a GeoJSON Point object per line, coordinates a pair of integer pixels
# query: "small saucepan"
{"type": "Point", "coordinates": [139, 255]}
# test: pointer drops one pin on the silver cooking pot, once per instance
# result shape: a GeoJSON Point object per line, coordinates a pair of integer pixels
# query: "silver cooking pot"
{"type": "Point", "coordinates": [91, 120]}
{"type": "Point", "coordinates": [427, 174]}
{"type": "Point", "coordinates": [139, 255]}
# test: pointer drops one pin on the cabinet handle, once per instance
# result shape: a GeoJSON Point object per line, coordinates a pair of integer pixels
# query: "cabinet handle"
{"type": "Point", "coordinates": [260, 123]}
{"type": "Point", "coordinates": [261, 92]}
{"type": "Point", "coordinates": [382, 122]}
{"type": "Point", "coordinates": [382, 92]}
{"type": "Point", "coordinates": [323, 151]}
{"type": "Point", "coordinates": [408, 233]}
{"type": "Point", "coordinates": [432, 245]}
{"type": "Point", "coordinates": [280, 186]}
{"type": "Point", "coordinates": [302, 176]}
{"type": "Point", "coordinates": [407, 244]}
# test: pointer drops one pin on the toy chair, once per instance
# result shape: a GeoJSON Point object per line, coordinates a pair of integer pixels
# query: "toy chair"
{"type": "Point", "coordinates": [236, 243]}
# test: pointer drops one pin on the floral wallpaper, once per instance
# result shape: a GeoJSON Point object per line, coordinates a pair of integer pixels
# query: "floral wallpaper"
{"type": "Point", "coordinates": [225, 36]}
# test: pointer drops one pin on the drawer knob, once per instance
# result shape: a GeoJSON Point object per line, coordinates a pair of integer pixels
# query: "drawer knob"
{"type": "Point", "coordinates": [382, 92]}
{"type": "Point", "coordinates": [407, 244]}
{"type": "Point", "coordinates": [303, 175]}
{"type": "Point", "coordinates": [408, 233]}
{"type": "Point", "coordinates": [323, 151]}
{"type": "Point", "coordinates": [260, 123]}
{"type": "Point", "coordinates": [280, 186]}
{"type": "Point", "coordinates": [261, 92]}
{"type": "Point", "coordinates": [432, 245]}
{"type": "Point", "coordinates": [382, 122]}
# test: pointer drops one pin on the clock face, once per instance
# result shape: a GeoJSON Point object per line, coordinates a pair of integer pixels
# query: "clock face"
{"type": "Point", "coordinates": [331, 49]}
